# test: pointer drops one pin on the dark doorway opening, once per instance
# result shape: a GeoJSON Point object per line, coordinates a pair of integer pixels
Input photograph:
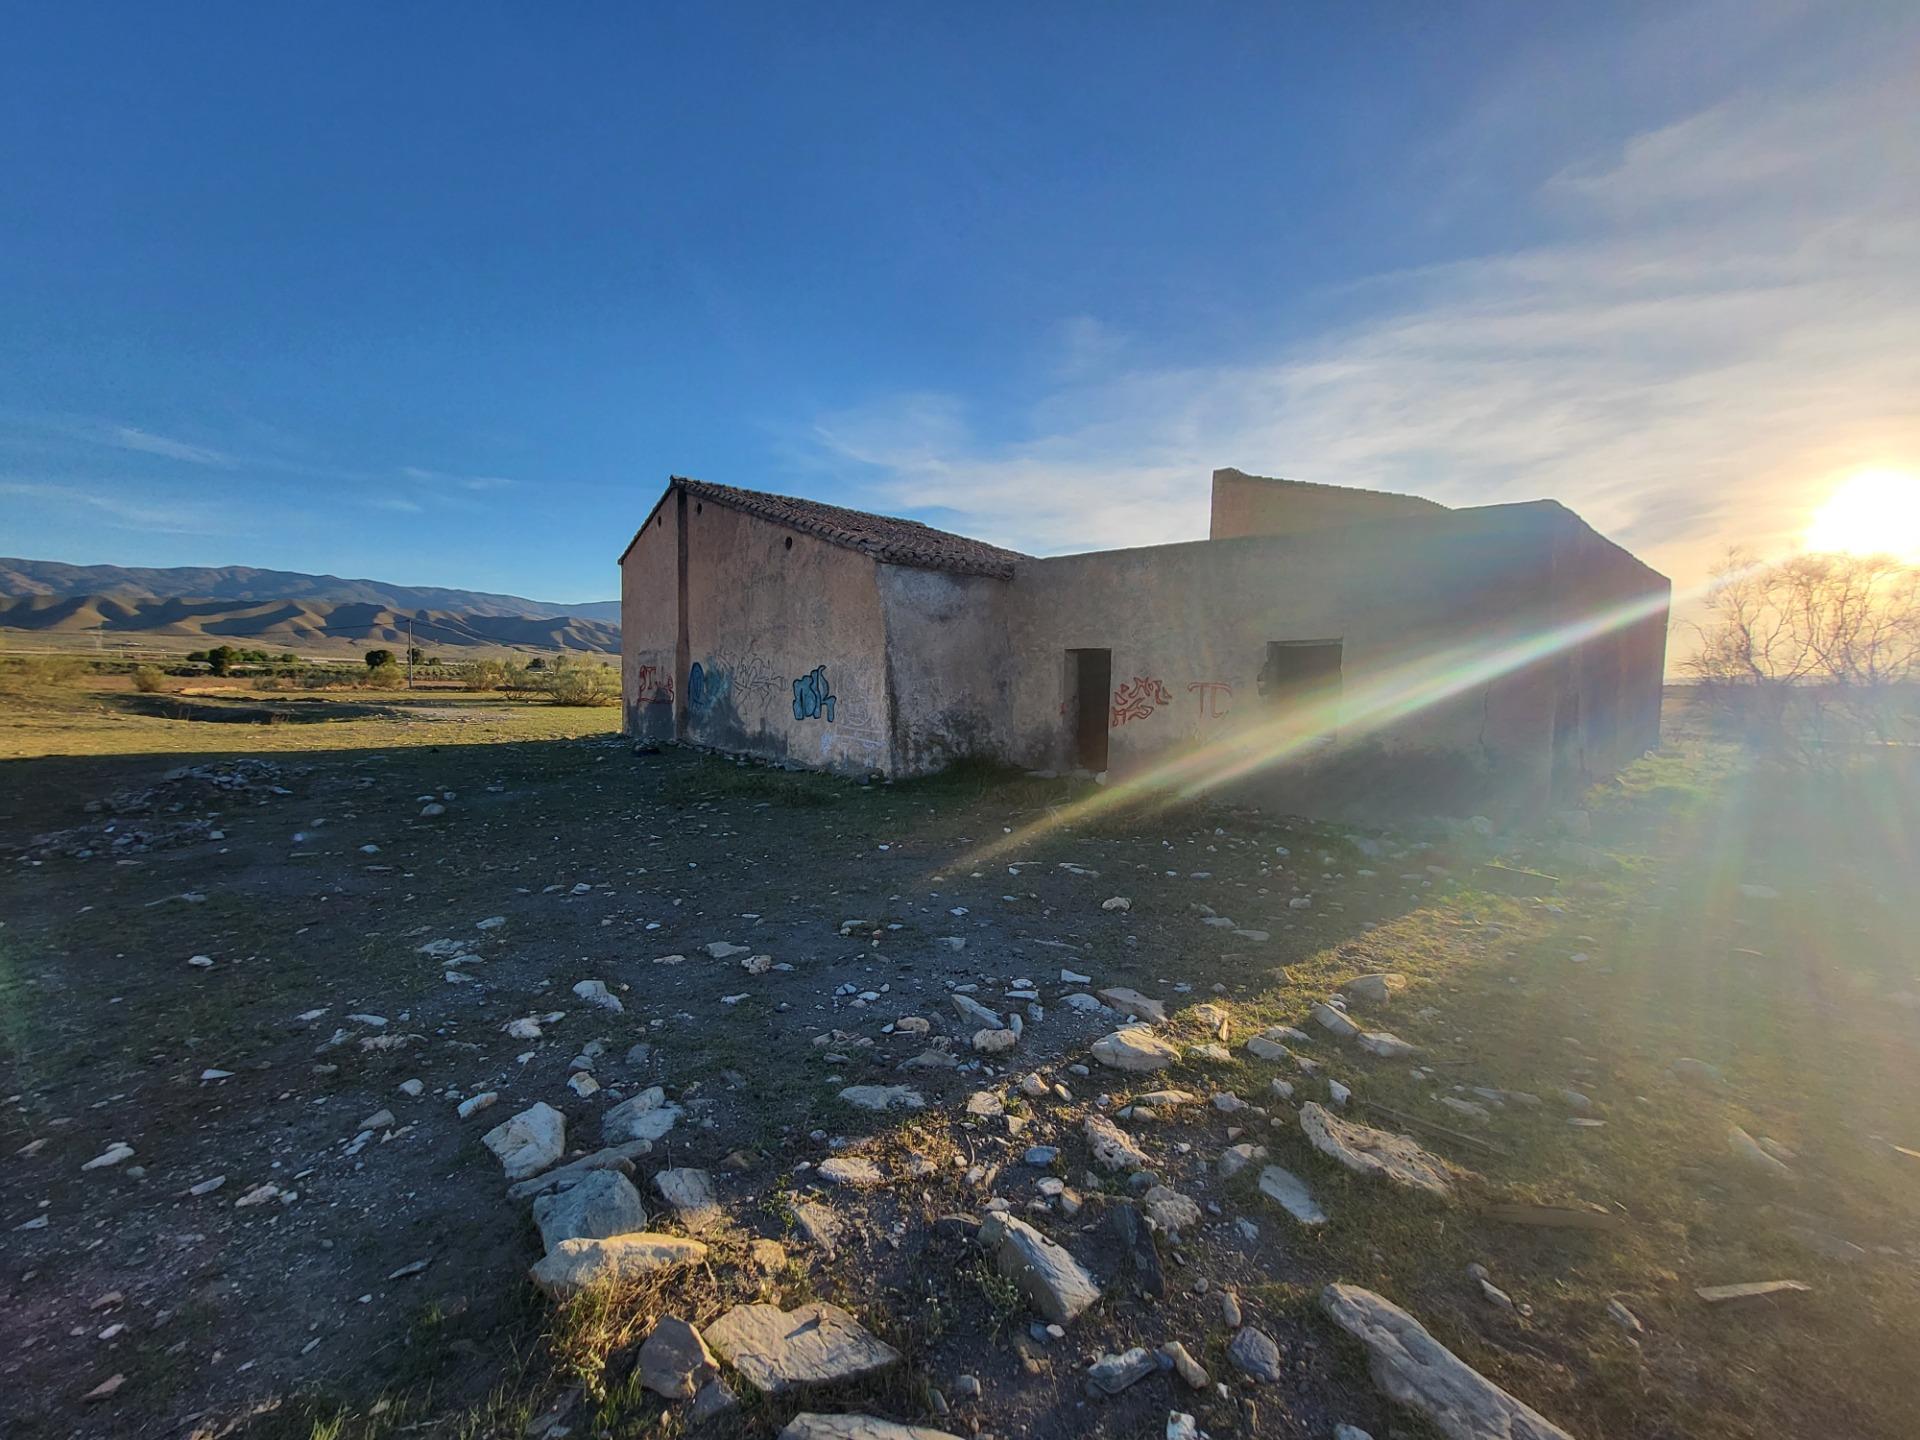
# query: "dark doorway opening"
{"type": "Point", "coordinates": [1090, 690]}
{"type": "Point", "coordinates": [1302, 679]}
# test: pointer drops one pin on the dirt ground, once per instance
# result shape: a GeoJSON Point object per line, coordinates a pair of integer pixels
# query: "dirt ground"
{"type": "Point", "coordinates": [217, 960]}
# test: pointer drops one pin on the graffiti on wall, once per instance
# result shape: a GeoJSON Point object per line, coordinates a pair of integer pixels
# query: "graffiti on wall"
{"type": "Point", "coordinates": [748, 674]}
{"type": "Point", "coordinates": [1214, 694]}
{"type": "Point", "coordinates": [1138, 698]}
{"type": "Point", "coordinates": [654, 684]}
{"type": "Point", "coordinates": [706, 687]}
{"type": "Point", "coordinates": [812, 699]}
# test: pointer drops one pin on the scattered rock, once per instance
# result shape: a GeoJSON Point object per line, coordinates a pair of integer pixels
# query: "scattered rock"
{"type": "Point", "coordinates": [1387, 1046]}
{"type": "Point", "coordinates": [856, 1427]}
{"type": "Point", "coordinates": [1290, 1193]}
{"type": "Point", "coordinates": [1111, 1374]}
{"type": "Point", "coordinates": [1135, 1048]}
{"type": "Point", "coordinates": [1751, 1290]}
{"type": "Point", "coordinates": [1130, 1227]}
{"type": "Point", "coordinates": [1376, 989]}
{"type": "Point", "coordinates": [1054, 1283]}
{"type": "Point", "coordinates": [883, 1097]}
{"type": "Point", "coordinates": [647, 1116]}
{"type": "Point", "coordinates": [816, 1344]}
{"type": "Point", "coordinates": [690, 1193]}
{"type": "Point", "coordinates": [530, 1141]}
{"type": "Point", "coordinates": [1413, 1369]}
{"type": "Point", "coordinates": [603, 1204]}
{"type": "Point", "coordinates": [1746, 1149]}
{"type": "Point", "coordinates": [614, 1157]}
{"type": "Point", "coordinates": [1112, 1149]}
{"type": "Point", "coordinates": [1333, 1021]}
{"type": "Point", "coordinates": [1169, 1209]}
{"type": "Point", "coordinates": [851, 1170]}
{"type": "Point", "coordinates": [675, 1361]}
{"type": "Point", "coordinates": [1185, 1366]}
{"type": "Point", "coordinates": [1254, 1353]}
{"type": "Point", "coordinates": [1366, 1151]}
{"type": "Point", "coordinates": [595, 992]}
{"type": "Point", "coordinates": [1132, 1002]}
{"type": "Point", "coordinates": [1238, 1157]}
{"type": "Point", "coordinates": [575, 1265]}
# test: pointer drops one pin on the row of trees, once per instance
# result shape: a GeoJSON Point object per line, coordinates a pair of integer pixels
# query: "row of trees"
{"type": "Point", "coordinates": [222, 658]}
{"type": "Point", "coordinates": [1810, 658]}
{"type": "Point", "coordinates": [566, 681]}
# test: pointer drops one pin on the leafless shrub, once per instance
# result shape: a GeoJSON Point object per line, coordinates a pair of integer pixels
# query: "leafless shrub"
{"type": "Point", "coordinates": [1810, 657]}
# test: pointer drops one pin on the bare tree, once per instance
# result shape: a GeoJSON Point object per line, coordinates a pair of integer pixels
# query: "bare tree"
{"type": "Point", "coordinates": [1811, 655]}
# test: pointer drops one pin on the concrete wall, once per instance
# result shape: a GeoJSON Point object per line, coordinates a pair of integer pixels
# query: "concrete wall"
{"type": "Point", "coordinates": [649, 627]}
{"type": "Point", "coordinates": [1609, 711]}
{"type": "Point", "coordinates": [1466, 680]}
{"type": "Point", "coordinates": [948, 667]}
{"type": "Point", "coordinates": [1246, 505]}
{"type": "Point", "coordinates": [768, 608]}
{"type": "Point", "coordinates": [1431, 616]}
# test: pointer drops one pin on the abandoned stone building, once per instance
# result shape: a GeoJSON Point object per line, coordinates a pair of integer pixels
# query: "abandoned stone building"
{"type": "Point", "coordinates": [1335, 650]}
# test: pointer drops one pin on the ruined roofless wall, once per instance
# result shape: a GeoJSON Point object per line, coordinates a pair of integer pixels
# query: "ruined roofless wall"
{"type": "Point", "coordinates": [1419, 609]}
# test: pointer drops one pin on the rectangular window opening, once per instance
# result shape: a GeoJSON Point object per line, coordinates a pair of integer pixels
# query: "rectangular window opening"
{"type": "Point", "coordinates": [1301, 680]}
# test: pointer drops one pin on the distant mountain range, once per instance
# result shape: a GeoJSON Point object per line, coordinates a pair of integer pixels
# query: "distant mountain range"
{"type": "Point", "coordinates": [285, 609]}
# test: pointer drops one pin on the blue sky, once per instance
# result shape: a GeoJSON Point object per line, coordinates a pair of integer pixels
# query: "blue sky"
{"type": "Point", "coordinates": [441, 294]}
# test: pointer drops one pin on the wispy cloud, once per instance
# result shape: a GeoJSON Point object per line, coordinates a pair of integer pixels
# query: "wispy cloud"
{"type": "Point", "coordinates": [128, 437]}
{"type": "Point", "coordinates": [1728, 330]}
{"type": "Point", "coordinates": [462, 482]}
{"type": "Point", "coordinates": [102, 502]}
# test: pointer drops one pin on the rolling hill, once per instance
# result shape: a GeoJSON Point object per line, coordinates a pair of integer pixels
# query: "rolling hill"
{"type": "Point", "coordinates": [49, 603]}
{"type": "Point", "coordinates": [242, 582]}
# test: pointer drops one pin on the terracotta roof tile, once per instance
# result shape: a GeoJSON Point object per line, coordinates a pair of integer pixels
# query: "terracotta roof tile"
{"type": "Point", "coordinates": [884, 537]}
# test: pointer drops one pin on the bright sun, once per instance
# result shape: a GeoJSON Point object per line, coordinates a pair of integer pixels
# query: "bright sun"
{"type": "Point", "coordinates": [1877, 512]}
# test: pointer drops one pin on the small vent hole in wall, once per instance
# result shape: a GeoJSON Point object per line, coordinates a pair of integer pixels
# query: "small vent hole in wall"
{"type": "Point", "coordinates": [699, 508]}
{"type": "Point", "coordinates": [789, 542]}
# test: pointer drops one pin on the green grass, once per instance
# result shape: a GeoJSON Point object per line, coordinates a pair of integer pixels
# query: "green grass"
{"type": "Point", "coordinates": [92, 715]}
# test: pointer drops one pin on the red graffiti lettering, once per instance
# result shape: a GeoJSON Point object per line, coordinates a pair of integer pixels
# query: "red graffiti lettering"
{"type": "Point", "coordinates": [1211, 692]}
{"type": "Point", "coordinates": [655, 685]}
{"type": "Point", "coordinates": [1138, 699]}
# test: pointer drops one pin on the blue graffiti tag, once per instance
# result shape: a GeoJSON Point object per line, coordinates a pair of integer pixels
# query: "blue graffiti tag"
{"type": "Point", "coordinates": [707, 686]}
{"type": "Point", "coordinates": [811, 699]}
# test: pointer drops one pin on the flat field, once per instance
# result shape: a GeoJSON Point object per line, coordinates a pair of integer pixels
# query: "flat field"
{"type": "Point", "coordinates": [218, 952]}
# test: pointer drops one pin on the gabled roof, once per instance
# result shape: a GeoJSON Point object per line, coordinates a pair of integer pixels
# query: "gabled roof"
{"type": "Point", "coordinates": [885, 537]}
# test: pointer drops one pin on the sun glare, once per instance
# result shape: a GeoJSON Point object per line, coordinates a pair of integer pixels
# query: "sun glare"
{"type": "Point", "coordinates": [1877, 512]}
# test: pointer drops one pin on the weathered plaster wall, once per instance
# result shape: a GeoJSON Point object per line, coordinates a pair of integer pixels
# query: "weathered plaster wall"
{"type": "Point", "coordinates": [948, 666]}
{"type": "Point", "coordinates": [1425, 612]}
{"type": "Point", "coordinates": [649, 626]}
{"type": "Point", "coordinates": [1246, 505]}
{"type": "Point", "coordinates": [786, 645]}
{"type": "Point", "coordinates": [1615, 677]}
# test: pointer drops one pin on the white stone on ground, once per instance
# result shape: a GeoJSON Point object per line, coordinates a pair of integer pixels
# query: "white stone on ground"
{"type": "Point", "coordinates": [1367, 1151]}
{"type": "Point", "coordinates": [530, 1141]}
{"type": "Point", "coordinates": [647, 1116]}
{"type": "Point", "coordinates": [1135, 1048]}
{"type": "Point", "coordinates": [816, 1344]}
{"type": "Point", "coordinates": [883, 1097]}
{"type": "Point", "coordinates": [575, 1265]}
{"type": "Point", "coordinates": [1413, 1369]}
{"type": "Point", "coordinates": [1112, 1149]}
{"type": "Point", "coordinates": [1290, 1193]}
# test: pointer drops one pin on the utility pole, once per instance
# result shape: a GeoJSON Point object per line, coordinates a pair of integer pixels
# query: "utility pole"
{"type": "Point", "coordinates": [409, 652]}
